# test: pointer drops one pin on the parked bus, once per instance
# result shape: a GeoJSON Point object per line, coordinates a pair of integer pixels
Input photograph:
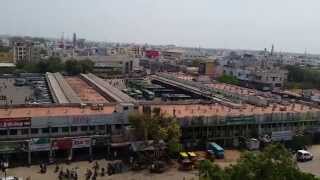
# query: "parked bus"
{"type": "Point", "coordinates": [149, 95]}
{"type": "Point", "coordinates": [216, 150]}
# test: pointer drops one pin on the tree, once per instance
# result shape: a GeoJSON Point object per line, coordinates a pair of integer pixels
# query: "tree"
{"type": "Point", "coordinates": [86, 65]}
{"type": "Point", "coordinates": [274, 163]}
{"type": "Point", "coordinates": [157, 126]}
{"type": "Point", "coordinates": [55, 64]}
{"type": "Point", "coordinates": [72, 67]}
{"type": "Point", "coordinates": [208, 171]}
{"type": "Point", "coordinates": [228, 79]}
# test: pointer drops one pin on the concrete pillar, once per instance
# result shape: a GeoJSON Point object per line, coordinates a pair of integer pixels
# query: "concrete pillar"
{"type": "Point", "coordinates": [90, 150]}
{"type": "Point", "coordinates": [71, 154]}
{"type": "Point", "coordinates": [29, 152]}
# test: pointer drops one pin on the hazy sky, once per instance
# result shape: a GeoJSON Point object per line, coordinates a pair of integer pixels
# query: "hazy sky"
{"type": "Point", "coordinates": [292, 25]}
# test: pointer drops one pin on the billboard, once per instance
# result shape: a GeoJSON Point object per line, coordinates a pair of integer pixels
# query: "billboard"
{"type": "Point", "coordinates": [281, 135]}
{"type": "Point", "coordinates": [62, 144]}
{"type": "Point", "coordinates": [40, 144]}
{"type": "Point", "coordinates": [15, 122]}
{"type": "Point", "coordinates": [81, 142]}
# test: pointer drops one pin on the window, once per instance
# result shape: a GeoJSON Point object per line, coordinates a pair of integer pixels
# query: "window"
{"type": "Point", "coordinates": [45, 130]}
{"type": "Point", "coordinates": [54, 130]}
{"type": "Point", "coordinates": [118, 126]}
{"type": "Point", "coordinates": [13, 131]}
{"type": "Point", "coordinates": [92, 128]}
{"type": "Point", "coordinates": [34, 131]}
{"type": "Point", "coordinates": [3, 132]}
{"type": "Point", "coordinates": [125, 107]}
{"type": "Point", "coordinates": [24, 131]}
{"type": "Point", "coordinates": [101, 127]}
{"type": "Point", "coordinates": [74, 128]}
{"type": "Point", "coordinates": [84, 128]}
{"type": "Point", "coordinates": [65, 129]}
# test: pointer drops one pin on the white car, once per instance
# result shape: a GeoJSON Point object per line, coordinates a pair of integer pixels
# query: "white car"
{"type": "Point", "coordinates": [303, 155]}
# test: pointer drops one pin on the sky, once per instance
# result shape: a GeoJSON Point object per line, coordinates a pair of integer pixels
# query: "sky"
{"type": "Point", "coordinates": [291, 25]}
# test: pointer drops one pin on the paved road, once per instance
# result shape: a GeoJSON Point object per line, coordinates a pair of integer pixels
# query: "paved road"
{"type": "Point", "coordinates": [314, 165]}
{"type": "Point", "coordinates": [82, 166]}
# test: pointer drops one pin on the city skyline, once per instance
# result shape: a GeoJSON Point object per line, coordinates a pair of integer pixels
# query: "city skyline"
{"type": "Point", "coordinates": [232, 25]}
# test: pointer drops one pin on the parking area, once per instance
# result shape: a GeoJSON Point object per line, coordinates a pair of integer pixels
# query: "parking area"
{"type": "Point", "coordinates": [14, 94]}
{"type": "Point", "coordinates": [312, 166]}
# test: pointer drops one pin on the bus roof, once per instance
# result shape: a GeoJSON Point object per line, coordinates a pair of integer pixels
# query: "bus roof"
{"type": "Point", "coordinates": [216, 146]}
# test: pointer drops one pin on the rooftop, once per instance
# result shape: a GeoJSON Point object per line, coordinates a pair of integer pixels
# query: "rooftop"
{"type": "Point", "coordinates": [86, 93]}
{"type": "Point", "coordinates": [52, 111]}
{"type": "Point", "coordinates": [221, 110]}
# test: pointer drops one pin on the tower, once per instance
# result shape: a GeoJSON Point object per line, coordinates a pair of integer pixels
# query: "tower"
{"type": "Point", "coordinates": [272, 49]}
{"type": "Point", "coordinates": [74, 40]}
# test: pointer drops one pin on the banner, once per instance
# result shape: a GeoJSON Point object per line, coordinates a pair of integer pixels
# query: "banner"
{"type": "Point", "coordinates": [15, 122]}
{"type": "Point", "coordinates": [100, 141]}
{"type": "Point", "coordinates": [62, 144]}
{"type": "Point", "coordinates": [40, 144]}
{"type": "Point", "coordinates": [81, 142]}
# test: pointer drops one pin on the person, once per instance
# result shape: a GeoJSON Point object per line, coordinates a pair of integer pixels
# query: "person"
{"type": "Point", "coordinates": [115, 155]}
{"type": "Point", "coordinates": [96, 166]}
{"type": "Point", "coordinates": [57, 168]}
{"type": "Point", "coordinates": [102, 171]}
{"type": "Point", "coordinates": [61, 174]}
{"type": "Point", "coordinates": [88, 174]}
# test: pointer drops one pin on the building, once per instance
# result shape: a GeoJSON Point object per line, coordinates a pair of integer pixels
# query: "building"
{"type": "Point", "coordinates": [6, 57]}
{"type": "Point", "coordinates": [174, 54]}
{"type": "Point", "coordinates": [111, 65]}
{"type": "Point", "coordinates": [26, 52]}
{"type": "Point", "coordinates": [208, 68]}
{"type": "Point", "coordinates": [22, 52]}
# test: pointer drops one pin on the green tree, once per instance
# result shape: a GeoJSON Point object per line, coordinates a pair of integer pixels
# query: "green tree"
{"type": "Point", "coordinates": [208, 171]}
{"type": "Point", "coordinates": [86, 65]}
{"type": "Point", "coordinates": [72, 67]}
{"type": "Point", "coordinates": [228, 79]}
{"type": "Point", "coordinates": [274, 163]}
{"type": "Point", "coordinates": [157, 126]}
{"type": "Point", "coordinates": [54, 64]}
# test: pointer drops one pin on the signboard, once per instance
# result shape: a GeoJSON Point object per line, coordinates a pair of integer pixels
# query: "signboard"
{"type": "Point", "coordinates": [62, 144]}
{"type": "Point", "coordinates": [240, 120]}
{"type": "Point", "coordinates": [40, 144]}
{"type": "Point", "coordinates": [81, 142]}
{"type": "Point", "coordinates": [99, 141]}
{"type": "Point", "coordinates": [281, 135]}
{"type": "Point", "coordinates": [15, 122]}
{"type": "Point", "coordinates": [13, 147]}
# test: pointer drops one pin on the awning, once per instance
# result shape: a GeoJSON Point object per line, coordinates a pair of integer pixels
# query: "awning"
{"type": "Point", "coordinates": [192, 154]}
{"type": "Point", "coordinates": [184, 154]}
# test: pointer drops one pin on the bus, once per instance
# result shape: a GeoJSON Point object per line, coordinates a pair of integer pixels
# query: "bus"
{"type": "Point", "coordinates": [149, 95]}
{"type": "Point", "coordinates": [216, 150]}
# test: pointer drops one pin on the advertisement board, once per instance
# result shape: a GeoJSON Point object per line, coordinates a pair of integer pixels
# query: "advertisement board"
{"type": "Point", "coordinates": [40, 144]}
{"type": "Point", "coordinates": [81, 142]}
{"type": "Point", "coordinates": [15, 122]}
{"type": "Point", "coordinates": [281, 135]}
{"type": "Point", "coordinates": [62, 144]}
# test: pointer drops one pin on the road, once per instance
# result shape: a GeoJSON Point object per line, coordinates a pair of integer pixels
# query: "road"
{"type": "Point", "coordinates": [312, 166]}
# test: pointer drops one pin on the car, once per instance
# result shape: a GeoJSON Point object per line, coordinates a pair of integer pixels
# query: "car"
{"type": "Point", "coordinates": [303, 155]}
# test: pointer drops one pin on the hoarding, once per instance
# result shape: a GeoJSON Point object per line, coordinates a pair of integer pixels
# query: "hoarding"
{"type": "Point", "coordinates": [40, 144]}
{"type": "Point", "coordinates": [62, 144]}
{"type": "Point", "coordinates": [15, 122]}
{"type": "Point", "coordinates": [81, 142]}
{"type": "Point", "coordinates": [281, 135]}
